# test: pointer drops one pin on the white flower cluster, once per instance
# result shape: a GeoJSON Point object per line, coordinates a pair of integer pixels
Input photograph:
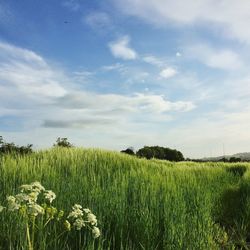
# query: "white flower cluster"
{"type": "Point", "coordinates": [27, 199]}
{"type": "Point", "coordinates": [26, 202]}
{"type": "Point", "coordinates": [49, 195]}
{"type": "Point", "coordinates": [82, 218]}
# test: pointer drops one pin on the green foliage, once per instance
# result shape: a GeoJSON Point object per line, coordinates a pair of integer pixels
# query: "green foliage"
{"type": "Point", "coordinates": [160, 153]}
{"type": "Point", "coordinates": [234, 159]}
{"type": "Point", "coordinates": [63, 142]}
{"type": "Point", "coordinates": [8, 148]}
{"type": "Point", "coordinates": [129, 151]}
{"type": "Point", "coordinates": [237, 169]}
{"type": "Point", "coordinates": [141, 204]}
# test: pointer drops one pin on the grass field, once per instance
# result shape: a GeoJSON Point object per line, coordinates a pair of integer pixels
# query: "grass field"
{"type": "Point", "coordinates": [139, 204]}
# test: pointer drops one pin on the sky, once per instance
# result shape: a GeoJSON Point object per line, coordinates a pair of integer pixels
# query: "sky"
{"type": "Point", "coordinates": [126, 73]}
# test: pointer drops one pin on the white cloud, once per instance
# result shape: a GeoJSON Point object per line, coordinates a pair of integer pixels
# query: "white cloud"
{"type": "Point", "coordinates": [168, 73]}
{"type": "Point", "coordinates": [116, 66]}
{"type": "Point", "coordinates": [82, 76]}
{"type": "Point", "coordinates": [225, 59]}
{"type": "Point", "coordinates": [44, 99]}
{"type": "Point", "coordinates": [98, 20]}
{"type": "Point", "coordinates": [178, 54]}
{"type": "Point", "coordinates": [230, 16]}
{"type": "Point", "coordinates": [28, 73]}
{"type": "Point", "coordinates": [40, 95]}
{"type": "Point", "coordinates": [73, 5]}
{"type": "Point", "coordinates": [153, 60]}
{"type": "Point", "coordinates": [120, 49]}
{"type": "Point", "coordinates": [137, 103]}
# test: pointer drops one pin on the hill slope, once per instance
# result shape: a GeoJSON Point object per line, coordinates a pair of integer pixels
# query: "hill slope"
{"type": "Point", "coordinates": [139, 204]}
{"type": "Point", "coordinates": [242, 156]}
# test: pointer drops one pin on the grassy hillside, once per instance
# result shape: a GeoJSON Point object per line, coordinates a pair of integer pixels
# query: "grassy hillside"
{"type": "Point", "coordinates": [139, 204]}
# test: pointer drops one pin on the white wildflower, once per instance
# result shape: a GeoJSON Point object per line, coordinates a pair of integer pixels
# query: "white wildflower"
{"type": "Point", "coordinates": [22, 197]}
{"type": "Point", "coordinates": [92, 219]}
{"type": "Point", "coordinates": [12, 204]}
{"type": "Point", "coordinates": [96, 232]}
{"type": "Point", "coordinates": [49, 195]}
{"type": "Point", "coordinates": [79, 223]}
{"type": "Point", "coordinates": [37, 187]}
{"type": "Point", "coordinates": [33, 197]}
{"type": "Point", "coordinates": [35, 209]}
{"type": "Point", "coordinates": [77, 206]}
{"type": "Point", "coordinates": [11, 199]}
{"type": "Point", "coordinates": [27, 198]}
{"type": "Point", "coordinates": [86, 210]}
{"type": "Point", "coordinates": [76, 211]}
{"type": "Point", "coordinates": [26, 188]}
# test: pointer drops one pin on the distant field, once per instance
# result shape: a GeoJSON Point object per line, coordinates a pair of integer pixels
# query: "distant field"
{"type": "Point", "coordinates": [139, 204]}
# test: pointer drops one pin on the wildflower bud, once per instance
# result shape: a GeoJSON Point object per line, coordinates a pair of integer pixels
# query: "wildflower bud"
{"type": "Point", "coordinates": [67, 225]}
{"type": "Point", "coordinates": [53, 211]}
{"type": "Point", "coordinates": [23, 210]}
{"type": "Point", "coordinates": [48, 212]}
{"type": "Point", "coordinates": [60, 214]}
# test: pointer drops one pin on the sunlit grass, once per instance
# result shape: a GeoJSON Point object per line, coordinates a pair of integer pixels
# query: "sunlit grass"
{"type": "Point", "coordinates": [140, 204]}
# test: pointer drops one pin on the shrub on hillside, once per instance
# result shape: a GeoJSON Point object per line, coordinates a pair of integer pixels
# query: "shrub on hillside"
{"type": "Point", "coordinates": [63, 142]}
{"type": "Point", "coordinates": [129, 151]}
{"type": "Point", "coordinates": [160, 153]}
{"type": "Point", "coordinates": [10, 147]}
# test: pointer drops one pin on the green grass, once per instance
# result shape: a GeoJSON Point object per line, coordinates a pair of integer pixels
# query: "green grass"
{"type": "Point", "coordinates": [139, 204]}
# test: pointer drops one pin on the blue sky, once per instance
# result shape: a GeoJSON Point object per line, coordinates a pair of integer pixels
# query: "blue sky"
{"type": "Point", "coordinates": [120, 73]}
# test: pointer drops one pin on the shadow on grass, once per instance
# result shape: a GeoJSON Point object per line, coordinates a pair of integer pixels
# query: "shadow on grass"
{"type": "Point", "coordinates": [234, 213]}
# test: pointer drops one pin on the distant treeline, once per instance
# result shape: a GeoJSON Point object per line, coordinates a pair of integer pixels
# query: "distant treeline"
{"type": "Point", "coordinates": [148, 152]}
{"type": "Point", "coordinates": [230, 159]}
{"type": "Point", "coordinates": [163, 153]}
{"type": "Point", "coordinates": [156, 152]}
{"type": "Point", "coordinates": [10, 147]}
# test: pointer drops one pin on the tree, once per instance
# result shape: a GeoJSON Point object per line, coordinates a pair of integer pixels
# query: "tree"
{"type": "Point", "coordinates": [10, 147]}
{"type": "Point", "coordinates": [234, 159]}
{"type": "Point", "coordinates": [63, 142]}
{"type": "Point", "coordinates": [129, 151]}
{"type": "Point", "coordinates": [160, 153]}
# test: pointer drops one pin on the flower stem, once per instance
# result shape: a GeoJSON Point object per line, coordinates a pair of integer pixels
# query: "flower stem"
{"type": "Point", "coordinates": [33, 230]}
{"type": "Point", "coordinates": [28, 237]}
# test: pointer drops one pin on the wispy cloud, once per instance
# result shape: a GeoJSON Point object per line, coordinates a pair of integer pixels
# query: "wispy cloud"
{"type": "Point", "coordinates": [178, 54]}
{"type": "Point", "coordinates": [40, 99]}
{"type": "Point", "coordinates": [73, 5]}
{"type": "Point", "coordinates": [28, 73]}
{"type": "Point", "coordinates": [45, 96]}
{"type": "Point", "coordinates": [116, 66]}
{"type": "Point", "coordinates": [168, 73]}
{"type": "Point", "coordinates": [99, 21]}
{"type": "Point", "coordinates": [78, 124]}
{"type": "Point", "coordinates": [121, 49]}
{"type": "Point", "coordinates": [137, 103]}
{"type": "Point", "coordinates": [225, 59]}
{"type": "Point", "coordinates": [230, 16]}
{"type": "Point", "coordinates": [154, 60]}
